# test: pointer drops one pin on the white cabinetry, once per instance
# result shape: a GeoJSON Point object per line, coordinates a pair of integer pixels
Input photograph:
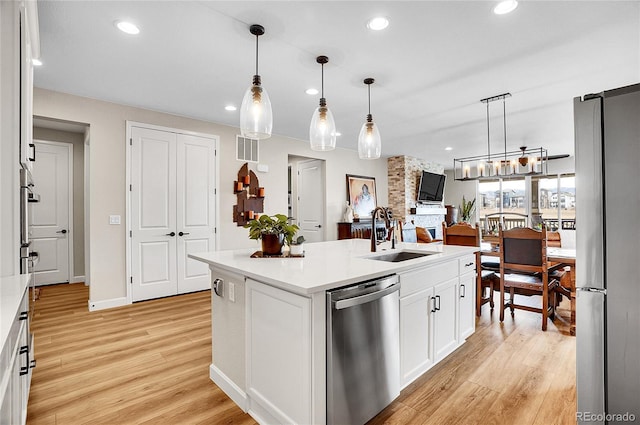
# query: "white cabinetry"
{"type": "Point", "coordinates": [16, 351]}
{"type": "Point", "coordinates": [279, 355]}
{"type": "Point", "coordinates": [445, 319]}
{"type": "Point", "coordinates": [436, 314]}
{"type": "Point", "coordinates": [467, 296]}
{"type": "Point", "coordinates": [415, 341]}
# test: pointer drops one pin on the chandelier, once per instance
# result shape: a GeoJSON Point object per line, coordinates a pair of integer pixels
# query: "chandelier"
{"type": "Point", "coordinates": [506, 164]}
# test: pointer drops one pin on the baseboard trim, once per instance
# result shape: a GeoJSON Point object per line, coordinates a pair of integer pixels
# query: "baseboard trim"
{"type": "Point", "coordinates": [77, 279]}
{"type": "Point", "coordinates": [234, 392]}
{"type": "Point", "coordinates": [102, 305]}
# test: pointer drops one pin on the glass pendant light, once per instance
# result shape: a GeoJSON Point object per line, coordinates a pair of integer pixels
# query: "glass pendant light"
{"type": "Point", "coordinates": [256, 119]}
{"type": "Point", "coordinates": [322, 131]}
{"type": "Point", "coordinates": [369, 143]}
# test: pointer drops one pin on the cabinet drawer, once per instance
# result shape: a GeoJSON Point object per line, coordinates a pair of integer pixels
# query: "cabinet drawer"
{"type": "Point", "coordinates": [426, 277]}
{"type": "Point", "coordinates": [467, 264]}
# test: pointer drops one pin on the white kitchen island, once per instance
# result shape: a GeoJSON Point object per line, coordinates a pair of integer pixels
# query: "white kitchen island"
{"type": "Point", "coordinates": [269, 319]}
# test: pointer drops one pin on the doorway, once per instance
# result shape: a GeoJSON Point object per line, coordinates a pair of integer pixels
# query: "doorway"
{"type": "Point", "coordinates": [172, 209]}
{"type": "Point", "coordinates": [308, 194]}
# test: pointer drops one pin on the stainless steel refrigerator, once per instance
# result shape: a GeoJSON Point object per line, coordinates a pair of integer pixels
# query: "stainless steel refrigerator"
{"type": "Point", "coordinates": [607, 147]}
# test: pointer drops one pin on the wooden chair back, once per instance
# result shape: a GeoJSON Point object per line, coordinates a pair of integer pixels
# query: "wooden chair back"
{"type": "Point", "coordinates": [523, 250]}
{"type": "Point", "coordinates": [460, 234]}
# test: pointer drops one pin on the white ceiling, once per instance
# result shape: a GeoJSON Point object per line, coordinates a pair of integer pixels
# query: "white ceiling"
{"type": "Point", "coordinates": [432, 65]}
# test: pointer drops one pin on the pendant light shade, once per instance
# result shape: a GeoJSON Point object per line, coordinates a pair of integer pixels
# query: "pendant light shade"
{"type": "Point", "coordinates": [369, 142]}
{"type": "Point", "coordinates": [322, 131]}
{"type": "Point", "coordinates": [256, 119]}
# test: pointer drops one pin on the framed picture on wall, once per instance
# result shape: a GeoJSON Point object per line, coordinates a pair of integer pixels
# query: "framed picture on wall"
{"type": "Point", "coordinates": [361, 194]}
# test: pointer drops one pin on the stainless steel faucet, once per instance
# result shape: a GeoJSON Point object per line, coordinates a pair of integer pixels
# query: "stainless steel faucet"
{"type": "Point", "coordinates": [386, 216]}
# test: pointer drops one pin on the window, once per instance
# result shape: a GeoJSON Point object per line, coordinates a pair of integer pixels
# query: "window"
{"type": "Point", "coordinates": [556, 201]}
{"type": "Point", "coordinates": [506, 196]}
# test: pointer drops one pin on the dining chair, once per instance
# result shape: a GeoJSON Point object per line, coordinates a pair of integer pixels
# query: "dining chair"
{"type": "Point", "coordinates": [408, 232]}
{"type": "Point", "coordinates": [524, 271]}
{"type": "Point", "coordinates": [466, 235]}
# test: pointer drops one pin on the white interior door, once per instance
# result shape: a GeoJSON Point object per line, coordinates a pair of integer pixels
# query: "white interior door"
{"type": "Point", "coordinates": [153, 214]}
{"type": "Point", "coordinates": [50, 231]}
{"type": "Point", "coordinates": [311, 200]}
{"type": "Point", "coordinates": [195, 209]}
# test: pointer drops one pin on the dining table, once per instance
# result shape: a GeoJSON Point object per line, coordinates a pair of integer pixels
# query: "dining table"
{"type": "Point", "coordinates": [565, 256]}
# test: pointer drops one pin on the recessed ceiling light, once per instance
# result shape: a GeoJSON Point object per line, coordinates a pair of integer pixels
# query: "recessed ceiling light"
{"type": "Point", "coordinates": [448, 148]}
{"type": "Point", "coordinates": [230, 108]}
{"type": "Point", "coordinates": [505, 7]}
{"type": "Point", "coordinates": [378, 23]}
{"type": "Point", "coordinates": [36, 62]}
{"type": "Point", "coordinates": [127, 27]}
{"type": "Point", "coordinates": [312, 92]}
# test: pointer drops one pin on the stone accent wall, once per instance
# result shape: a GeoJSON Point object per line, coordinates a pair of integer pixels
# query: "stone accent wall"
{"type": "Point", "coordinates": [403, 174]}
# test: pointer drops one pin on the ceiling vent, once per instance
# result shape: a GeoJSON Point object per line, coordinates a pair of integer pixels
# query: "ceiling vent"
{"type": "Point", "coordinates": [246, 149]}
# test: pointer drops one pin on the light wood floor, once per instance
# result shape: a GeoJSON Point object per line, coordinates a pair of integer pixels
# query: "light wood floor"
{"type": "Point", "coordinates": [148, 364]}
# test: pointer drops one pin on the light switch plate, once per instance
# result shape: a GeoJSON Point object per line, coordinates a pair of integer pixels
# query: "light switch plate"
{"type": "Point", "coordinates": [232, 292]}
{"type": "Point", "coordinates": [114, 219]}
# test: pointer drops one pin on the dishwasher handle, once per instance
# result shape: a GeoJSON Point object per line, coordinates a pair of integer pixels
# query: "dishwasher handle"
{"type": "Point", "coordinates": [362, 299]}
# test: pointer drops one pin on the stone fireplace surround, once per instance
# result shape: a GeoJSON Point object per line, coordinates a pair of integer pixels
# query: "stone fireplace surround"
{"type": "Point", "coordinates": [404, 174]}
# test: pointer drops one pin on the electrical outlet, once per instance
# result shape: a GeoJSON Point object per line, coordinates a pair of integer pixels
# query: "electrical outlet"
{"type": "Point", "coordinates": [114, 219]}
{"type": "Point", "coordinates": [232, 292]}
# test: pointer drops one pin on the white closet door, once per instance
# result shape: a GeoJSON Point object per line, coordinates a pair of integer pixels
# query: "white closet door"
{"type": "Point", "coordinates": [50, 217]}
{"type": "Point", "coordinates": [195, 209]}
{"type": "Point", "coordinates": [153, 214]}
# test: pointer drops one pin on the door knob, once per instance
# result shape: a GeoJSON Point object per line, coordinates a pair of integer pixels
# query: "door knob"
{"type": "Point", "coordinates": [63, 231]}
{"type": "Point", "coordinates": [319, 226]}
{"type": "Point", "coordinates": [171, 234]}
{"type": "Point", "coordinates": [183, 233]}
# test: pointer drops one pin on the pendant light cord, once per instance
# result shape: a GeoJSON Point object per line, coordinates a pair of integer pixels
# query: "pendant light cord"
{"type": "Point", "coordinates": [257, 54]}
{"type": "Point", "coordinates": [322, 81]}
{"type": "Point", "coordinates": [369, 95]}
{"type": "Point", "coordinates": [504, 125]}
{"type": "Point", "coordinates": [488, 138]}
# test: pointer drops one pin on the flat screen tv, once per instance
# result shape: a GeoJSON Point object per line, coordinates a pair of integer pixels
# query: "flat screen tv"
{"type": "Point", "coordinates": [431, 187]}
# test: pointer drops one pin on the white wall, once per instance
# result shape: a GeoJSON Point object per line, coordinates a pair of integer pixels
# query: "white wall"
{"type": "Point", "coordinates": [455, 190]}
{"type": "Point", "coordinates": [107, 191]}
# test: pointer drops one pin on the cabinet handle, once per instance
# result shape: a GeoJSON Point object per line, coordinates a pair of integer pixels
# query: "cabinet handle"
{"type": "Point", "coordinates": [434, 309]}
{"type": "Point", "coordinates": [468, 264]}
{"type": "Point", "coordinates": [24, 315]}
{"type": "Point", "coordinates": [24, 369]}
{"type": "Point", "coordinates": [464, 291]}
{"type": "Point", "coordinates": [33, 150]}
{"type": "Point", "coordinates": [438, 299]}
{"type": "Point", "coordinates": [172, 234]}
{"type": "Point", "coordinates": [183, 233]}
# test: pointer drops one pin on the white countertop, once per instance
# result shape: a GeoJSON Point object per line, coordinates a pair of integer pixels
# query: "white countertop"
{"type": "Point", "coordinates": [11, 292]}
{"type": "Point", "coordinates": [327, 265]}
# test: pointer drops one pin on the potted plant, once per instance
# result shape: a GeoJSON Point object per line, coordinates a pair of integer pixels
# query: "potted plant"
{"type": "Point", "coordinates": [274, 231]}
{"type": "Point", "coordinates": [467, 209]}
{"type": "Point", "coordinates": [296, 247]}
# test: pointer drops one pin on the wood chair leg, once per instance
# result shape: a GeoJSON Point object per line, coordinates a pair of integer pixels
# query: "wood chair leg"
{"type": "Point", "coordinates": [501, 301]}
{"type": "Point", "coordinates": [511, 298]}
{"type": "Point", "coordinates": [545, 309]}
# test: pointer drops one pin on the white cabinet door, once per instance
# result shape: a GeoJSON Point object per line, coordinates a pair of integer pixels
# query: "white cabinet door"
{"type": "Point", "coordinates": [445, 319]}
{"type": "Point", "coordinates": [415, 343]}
{"type": "Point", "coordinates": [466, 299]}
{"type": "Point", "coordinates": [195, 209]}
{"type": "Point", "coordinates": [153, 214]}
{"type": "Point", "coordinates": [279, 354]}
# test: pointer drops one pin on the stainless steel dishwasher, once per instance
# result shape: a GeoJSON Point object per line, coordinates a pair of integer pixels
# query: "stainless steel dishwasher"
{"type": "Point", "coordinates": [363, 350]}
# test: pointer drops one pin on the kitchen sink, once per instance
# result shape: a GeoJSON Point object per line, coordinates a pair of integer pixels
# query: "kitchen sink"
{"type": "Point", "coordinates": [397, 256]}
